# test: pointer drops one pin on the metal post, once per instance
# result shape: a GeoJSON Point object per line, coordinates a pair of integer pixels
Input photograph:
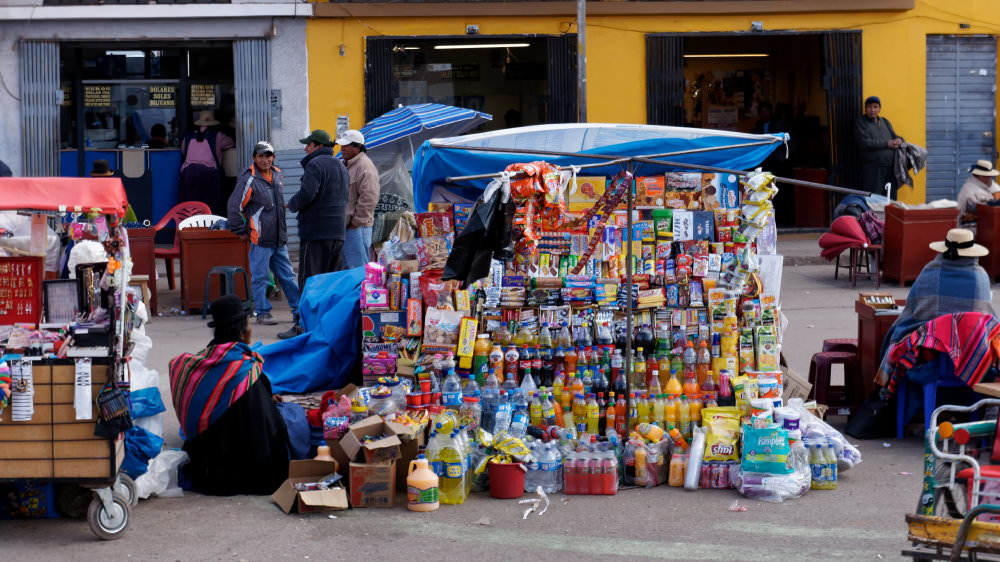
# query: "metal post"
{"type": "Point", "coordinates": [581, 61]}
{"type": "Point", "coordinates": [628, 307]}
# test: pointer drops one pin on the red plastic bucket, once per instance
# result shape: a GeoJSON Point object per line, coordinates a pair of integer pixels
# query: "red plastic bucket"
{"type": "Point", "coordinates": [507, 480]}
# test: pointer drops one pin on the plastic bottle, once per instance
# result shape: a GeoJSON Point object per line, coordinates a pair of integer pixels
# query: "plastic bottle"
{"type": "Point", "coordinates": [708, 383]}
{"type": "Point", "coordinates": [358, 410]}
{"type": "Point", "coordinates": [652, 369]}
{"type": "Point", "coordinates": [670, 412]}
{"type": "Point", "coordinates": [577, 386]}
{"type": "Point", "coordinates": [600, 384]}
{"type": "Point", "coordinates": [550, 465]}
{"type": "Point", "coordinates": [696, 406]}
{"type": "Point", "coordinates": [470, 414]}
{"type": "Point", "coordinates": [610, 415]}
{"type": "Point", "coordinates": [684, 417]}
{"type": "Point", "coordinates": [690, 358]}
{"type": "Point", "coordinates": [620, 419]}
{"type": "Point", "coordinates": [830, 465]}
{"type": "Point", "coordinates": [674, 386]}
{"type": "Point", "coordinates": [511, 365]}
{"type": "Point", "coordinates": [454, 462]}
{"type": "Point", "coordinates": [642, 410]}
{"type": "Point", "coordinates": [617, 369]}
{"type": "Point", "coordinates": [505, 412]}
{"type": "Point", "coordinates": [528, 383]}
{"type": "Point", "coordinates": [639, 370]}
{"type": "Point", "coordinates": [659, 411]}
{"type": "Point", "coordinates": [571, 359]}
{"type": "Point", "coordinates": [323, 452]}
{"type": "Point", "coordinates": [489, 401]}
{"type": "Point", "coordinates": [593, 413]}
{"type": "Point", "coordinates": [503, 336]}
{"type": "Point", "coordinates": [653, 386]}
{"type": "Point", "coordinates": [451, 392]}
{"type": "Point", "coordinates": [558, 361]}
{"type": "Point", "coordinates": [496, 360]}
{"type": "Point", "coordinates": [641, 473]}
{"type": "Point", "coordinates": [421, 486]}
{"type": "Point", "coordinates": [448, 364]}
{"type": "Point", "coordinates": [481, 358]}
{"type": "Point", "coordinates": [609, 474]}
{"type": "Point", "coordinates": [546, 354]}
{"type": "Point", "coordinates": [678, 439]}
{"type": "Point", "coordinates": [704, 365]}
{"type": "Point", "coordinates": [564, 339]}
{"type": "Point", "coordinates": [548, 411]}
{"type": "Point", "coordinates": [522, 337]}
{"type": "Point", "coordinates": [651, 432]}
{"type": "Point", "coordinates": [535, 410]}
{"type": "Point", "coordinates": [471, 387]}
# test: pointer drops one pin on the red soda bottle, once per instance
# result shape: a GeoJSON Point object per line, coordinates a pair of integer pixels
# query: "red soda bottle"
{"type": "Point", "coordinates": [609, 474]}
{"type": "Point", "coordinates": [571, 475]}
{"type": "Point", "coordinates": [596, 474]}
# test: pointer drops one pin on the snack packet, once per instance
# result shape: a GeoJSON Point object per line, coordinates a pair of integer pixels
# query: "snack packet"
{"type": "Point", "coordinates": [723, 425]}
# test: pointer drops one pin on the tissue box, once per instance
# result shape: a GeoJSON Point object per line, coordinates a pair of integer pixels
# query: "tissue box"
{"type": "Point", "coordinates": [373, 296]}
{"type": "Point", "coordinates": [375, 274]}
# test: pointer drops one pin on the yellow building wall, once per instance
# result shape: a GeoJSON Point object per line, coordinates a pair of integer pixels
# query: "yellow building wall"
{"type": "Point", "coordinates": [893, 55]}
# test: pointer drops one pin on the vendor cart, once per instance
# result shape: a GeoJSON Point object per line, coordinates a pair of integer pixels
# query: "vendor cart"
{"type": "Point", "coordinates": [958, 515]}
{"type": "Point", "coordinates": [48, 430]}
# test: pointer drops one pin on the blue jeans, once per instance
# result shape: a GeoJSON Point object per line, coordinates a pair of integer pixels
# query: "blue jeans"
{"type": "Point", "coordinates": [276, 260]}
{"type": "Point", "coordinates": [357, 244]}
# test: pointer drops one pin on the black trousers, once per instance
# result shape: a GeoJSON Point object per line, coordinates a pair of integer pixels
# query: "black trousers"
{"type": "Point", "coordinates": [319, 256]}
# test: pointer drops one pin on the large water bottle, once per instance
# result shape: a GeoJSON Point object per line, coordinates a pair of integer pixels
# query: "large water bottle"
{"type": "Point", "coordinates": [451, 392]}
{"type": "Point", "coordinates": [528, 384]}
{"type": "Point", "coordinates": [532, 478]}
{"type": "Point", "coordinates": [489, 402]}
{"type": "Point", "coordinates": [471, 387]}
{"type": "Point", "coordinates": [553, 466]}
{"type": "Point", "coordinates": [504, 414]}
{"type": "Point", "coordinates": [520, 416]}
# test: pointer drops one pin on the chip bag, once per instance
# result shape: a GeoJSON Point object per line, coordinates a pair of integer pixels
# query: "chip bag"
{"type": "Point", "coordinates": [723, 425]}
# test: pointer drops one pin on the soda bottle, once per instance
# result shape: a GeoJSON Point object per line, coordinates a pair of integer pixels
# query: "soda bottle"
{"type": "Point", "coordinates": [653, 386]}
{"type": "Point", "coordinates": [605, 362]}
{"type": "Point", "coordinates": [690, 359]}
{"type": "Point", "coordinates": [481, 358]}
{"type": "Point", "coordinates": [617, 367]}
{"type": "Point", "coordinates": [678, 439]}
{"type": "Point", "coordinates": [663, 366]}
{"type": "Point", "coordinates": [651, 432]}
{"type": "Point", "coordinates": [641, 409]}
{"type": "Point", "coordinates": [559, 360]}
{"type": "Point", "coordinates": [548, 411]}
{"type": "Point", "coordinates": [593, 412]}
{"type": "Point", "coordinates": [609, 474]}
{"type": "Point", "coordinates": [496, 360]}
{"type": "Point", "coordinates": [579, 408]}
{"type": "Point", "coordinates": [571, 475]}
{"type": "Point", "coordinates": [503, 336]}
{"type": "Point", "coordinates": [710, 401]}
{"type": "Point", "coordinates": [522, 337]}
{"type": "Point", "coordinates": [577, 385]}
{"type": "Point", "coordinates": [641, 473]}
{"type": "Point", "coordinates": [602, 415]}
{"type": "Point", "coordinates": [620, 415]}
{"type": "Point", "coordinates": [571, 359]}
{"type": "Point", "coordinates": [708, 384]}
{"type": "Point", "coordinates": [659, 410]}
{"type": "Point", "coordinates": [610, 416]}
{"type": "Point", "coordinates": [528, 383]}
{"type": "Point", "coordinates": [670, 412]}
{"type": "Point", "coordinates": [652, 366]}
{"type": "Point", "coordinates": [588, 381]}
{"type": "Point", "coordinates": [525, 361]}
{"type": "Point", "coordinates": [453, 461]}
{"type": "Point", "coordinates": [594, 466]}
{"type": "Point", "coordinates": [564, 339]}
{"type": "Point", "coordinates": [535, 410]}
{"type": "Point", "coordinates": [511, 365]}
{"type": "Point", "coordinates": [639, 370]}
{"type": "Point", "coordinates": [600, 384]}
{"type": "Point", "coordinates": [673, 385]}
{"type": "Point", "coordinates": [605, 336]}
{"type": "Point", "coordinates": [704, 365]}
{"type": "Point", "coordinates": [684, 417]}
{"type": "Point", "coordinates": [451, 392]}
{"type": "Point", "coordinates": [696, 405]}
{"type": "Point", "coordinates": [557, 385]}
{"type": "Point", "coordinates": [830, 460]}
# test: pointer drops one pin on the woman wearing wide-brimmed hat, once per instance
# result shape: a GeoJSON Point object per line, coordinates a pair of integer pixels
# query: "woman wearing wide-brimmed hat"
{"type": "Point", "coordinates": [201, 172]}
{"type": "Point", "coordinates": [980, 187]}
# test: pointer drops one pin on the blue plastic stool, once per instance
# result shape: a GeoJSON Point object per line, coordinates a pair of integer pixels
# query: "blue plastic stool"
{"type": "Point", "coordinates": [227, 285]}
{"type": "Point", "coordinates": [946, 378]}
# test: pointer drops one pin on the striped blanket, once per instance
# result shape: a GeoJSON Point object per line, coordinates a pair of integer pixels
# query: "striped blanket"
{"type": "Point", "coordinates": [204, 385]}
{"type": "Point", "coordinates": [965, 336]}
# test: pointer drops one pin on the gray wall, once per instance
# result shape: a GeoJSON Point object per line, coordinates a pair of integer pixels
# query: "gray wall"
{"type": "Point", "coordinates": [288, 63]}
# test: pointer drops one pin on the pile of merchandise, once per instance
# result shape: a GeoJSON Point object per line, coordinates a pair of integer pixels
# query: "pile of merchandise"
{"type": "Point", "coordinates": [540, 363]}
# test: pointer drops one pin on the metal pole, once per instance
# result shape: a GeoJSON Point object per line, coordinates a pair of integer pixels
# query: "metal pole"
{"type": "Point", "coordinates": [581, 60]}
{"type": "Point", "coordinates": [628, 306]}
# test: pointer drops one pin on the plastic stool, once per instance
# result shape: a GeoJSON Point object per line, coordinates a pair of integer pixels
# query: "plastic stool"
{"type": "Point", "coordinates": [841, 344]}
{"type": "Point", "coordinates": [945, 378]}
{"type": "Point", "coordinates": [846, 397]}
{"type": "Point", "coordinates": [227, 278]}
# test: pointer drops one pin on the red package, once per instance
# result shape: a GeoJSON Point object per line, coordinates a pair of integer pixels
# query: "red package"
{"type": "Point", "coordinates": [431, 287]}
{"type": "Point", "coordinates": [433, 224]}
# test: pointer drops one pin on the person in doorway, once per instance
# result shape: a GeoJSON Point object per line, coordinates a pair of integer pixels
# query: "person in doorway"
{"type": "Point", "coordinates": [201, 172]}
{"type": "Point", "coordinates": [364, 192]}
{"type": "Point", "coordinates": [135, 132]}
{"type": "Point", "coordinates": [876, 140]}
{"type": "Point", "coordinates": [158, 136]}
{"type": "Point", "coordinates": [321, 203]}
{"type": "Point", "coordinates": [233, 431]}
{"type": "Point", "coordinates": [980, 187]}
{"type": "Point", "coordinates": [256, 212]}
{"type": "Point", "coordinates": [102, 169]}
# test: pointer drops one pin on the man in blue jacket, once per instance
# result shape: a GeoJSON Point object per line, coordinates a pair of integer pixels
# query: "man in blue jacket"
{"type": "Point", "coordinates": [256, 212]}
{"type": "Point", "coordinates": [321, 203]}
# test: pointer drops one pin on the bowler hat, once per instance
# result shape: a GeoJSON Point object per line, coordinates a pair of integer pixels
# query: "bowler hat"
{"type": "Point", "coordinates": [319, 136]}
{"type": "Point", "coordinates": [101, 169]}
{"type": "Point", "coordinates": [226, 310]}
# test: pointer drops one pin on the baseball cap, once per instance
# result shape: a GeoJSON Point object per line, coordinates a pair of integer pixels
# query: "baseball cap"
{"type": "Point", "coordinates": [351, 136]}
{"type": "Point", "coordinates": [263, 147]}
{"type": "Point", "coordinates": [319, 136]}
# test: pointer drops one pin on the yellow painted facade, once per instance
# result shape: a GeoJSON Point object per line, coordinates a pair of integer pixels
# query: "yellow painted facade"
{"type": "Point", "coordinates": [893, 54]}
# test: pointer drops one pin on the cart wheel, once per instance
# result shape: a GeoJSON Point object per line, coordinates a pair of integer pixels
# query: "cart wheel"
{"type": "Point", "coordinates": [109, 525]}
{"type": "Point", "coordinates": [951, 500]}
{"type": "Point", "coordinates": [125, 486]}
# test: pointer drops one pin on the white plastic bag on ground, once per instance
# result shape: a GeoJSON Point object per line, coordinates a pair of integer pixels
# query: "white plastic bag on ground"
{"type": "Point", "coordinates": [161, 477]}
{"type": "Point", "coordinates": [813, 427]}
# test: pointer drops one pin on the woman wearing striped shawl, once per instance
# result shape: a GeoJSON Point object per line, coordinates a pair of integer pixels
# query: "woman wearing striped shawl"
{"type": "Point", "coordinates": [235, 435]}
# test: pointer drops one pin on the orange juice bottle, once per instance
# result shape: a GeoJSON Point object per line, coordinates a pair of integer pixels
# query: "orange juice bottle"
{"type": "Point", "coordinates": [577, 385]}
{"type": "Point", "coordinates": [664, 368]}
{"type": "Point", "coordinates": [695, 407]}
{"type": "Point", "coordinates": [670, 412]}
{"type": "Point", "coordinates": [611, 416]}
{"type": "Point", "coordinates": [703, 367]}
{"type": "Point", "coordinates": [673, 386]}
{"type": "Point", "coordinates": [571, 359]}
{"type": "Point", "coordinates": [566, 399]}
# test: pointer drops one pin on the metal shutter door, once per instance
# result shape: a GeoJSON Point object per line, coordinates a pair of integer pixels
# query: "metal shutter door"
{"type": "Point", "coordinates": [288, 161]}
{"type": "Point", "coordinates": [251, 64]}
{"type": "Point", "coordinates": [561, 74]}
{"type": "Point", "coordinates": [842, 82]}
{"type": "Point", "coordinates": [38, 72]}
{"type": "Point", "coordinates": [380, 87]}
{"type": "Point", "coordinates": [961, 109]}
{"type": "Point", "coordinates": [665, 80]}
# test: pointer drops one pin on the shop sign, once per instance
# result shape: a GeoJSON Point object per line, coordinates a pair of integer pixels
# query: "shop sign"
{"type": "Point", "coordinates": [203, 95]}
{"type": "Point", "coordinates": [161, 96]}
{"type": "Point", "coordinates": [67, 96]}
{"type": "Point", "coordinates": [97, 96]}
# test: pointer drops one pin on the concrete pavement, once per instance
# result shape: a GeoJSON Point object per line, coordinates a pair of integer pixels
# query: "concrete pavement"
{"type": "Point", "coordinates": [861, 520]}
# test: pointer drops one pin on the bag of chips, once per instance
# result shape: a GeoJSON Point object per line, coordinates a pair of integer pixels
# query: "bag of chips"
{"type": "Point", "coordinates": [723, 425]}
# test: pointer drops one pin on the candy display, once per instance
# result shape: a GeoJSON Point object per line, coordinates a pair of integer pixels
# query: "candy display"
{"type": "Point", "coordinates": [604, 349]}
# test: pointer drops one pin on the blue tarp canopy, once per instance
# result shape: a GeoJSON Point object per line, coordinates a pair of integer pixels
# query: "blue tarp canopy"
{"type": "Point", "coordinates": [322, 357]}
{"type": "Point", "coordinates": [433, 163]}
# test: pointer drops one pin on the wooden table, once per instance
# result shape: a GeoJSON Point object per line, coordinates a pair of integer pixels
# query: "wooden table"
{"type": "Point", "coordinates": [142, 246]}
{"type": "Point", "coordinates": [872, 328]}
{"type": "Point", "coordinates": [908, 233]}
{"type": "Point", "coordinates": [201, 250]}
{"type": "Point", "coordinates": [988, 234]}
{"type": "Point", "coordinates": [991, 389]}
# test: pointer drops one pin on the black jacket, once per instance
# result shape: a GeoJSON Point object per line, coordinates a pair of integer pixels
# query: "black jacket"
{"type": "Point", "coordinates": [322, 199]}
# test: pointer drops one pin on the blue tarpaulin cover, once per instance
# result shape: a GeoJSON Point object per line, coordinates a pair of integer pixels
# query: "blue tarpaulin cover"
{"type": "Point", "coordinates": [322, 357]}
{"type": "Point", "coordinates": [432, 163]}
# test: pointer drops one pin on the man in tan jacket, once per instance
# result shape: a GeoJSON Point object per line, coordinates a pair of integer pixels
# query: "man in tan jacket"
{"type": "Point", "coordinates": [362, 196]}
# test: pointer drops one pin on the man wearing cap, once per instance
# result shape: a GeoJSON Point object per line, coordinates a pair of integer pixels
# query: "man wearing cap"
{"type": "Point", "coordinates": [363, 196]}
{"type": "Point", "coordinates": [321, 203]}
{"type": "Point", "coordinates": [876, 140]}
{"type": "Point", "coordinates": [979, 188]}
{"type": "Point", "coordinates": [256, 212]}
{"type": "Point", "coordinates": [235, 435]}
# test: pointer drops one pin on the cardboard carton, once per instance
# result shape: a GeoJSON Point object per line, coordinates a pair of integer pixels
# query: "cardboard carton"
{"type": "Point", "coordinates": [288, 498]}
{"type": "Point", "coordinates": [373, 484]}
{"type": "Point", "coordinates": [380, 450]}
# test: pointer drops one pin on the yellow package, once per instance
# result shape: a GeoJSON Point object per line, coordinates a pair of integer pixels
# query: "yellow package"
{"type": "Point", "coordinates": [723, 425]}
{"type": "Point", "coordinates": [744, 390]}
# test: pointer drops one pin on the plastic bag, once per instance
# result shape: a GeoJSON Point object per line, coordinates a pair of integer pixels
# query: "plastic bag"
{"type": "Point", "coordinates": [776, 487]}
{"type": "Point", "coordinates": [140, 447]}
{"type": "Point", "coordinates": [160, 478]}
{"type": "Point", "coordinates": [813, 428]}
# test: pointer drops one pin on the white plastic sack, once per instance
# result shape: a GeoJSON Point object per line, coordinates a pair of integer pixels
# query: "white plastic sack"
{"type": "Point", "coordinates": [161, 477]}
{"type": "Point", "coordinates": [20, 226]}
{"type": "Point", "coordinates": [85, 251]}
{"type": "Point", "coordinates": [143, 344]}
{"type": "Point", "coordinates": [152, 424]}
{"type": "Point", "coordinates": [813, 428]}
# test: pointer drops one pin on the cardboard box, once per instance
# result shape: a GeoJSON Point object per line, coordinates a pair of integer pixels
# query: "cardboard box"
{"type": "Point", "coordinates": [381, 450]}
{"type": "Point", "coordinates": [373, 322]}
{"type": "Point", "coordinates": [795, 385]}
{"type": "Point", "coordinates": [372, 485]}
{"type": "Point", "coordinates": [288, 498]}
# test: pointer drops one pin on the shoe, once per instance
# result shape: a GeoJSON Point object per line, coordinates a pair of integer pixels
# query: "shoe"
{"type": "Point", "coordinates": [291, 332]}
{"type": "Point", "coordinates": [266, 319]}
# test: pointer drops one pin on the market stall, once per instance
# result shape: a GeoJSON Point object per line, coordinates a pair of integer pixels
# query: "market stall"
{"type": "Point", "coordinates": [599, 329]}
{"type": "Point", "coordinates": [64, 375]}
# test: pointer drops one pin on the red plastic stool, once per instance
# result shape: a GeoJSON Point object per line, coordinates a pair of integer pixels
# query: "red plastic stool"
{"type": "Point", "coordinates": [991, 471]}
{"type": "Point", "coordinates": [841, 344]}
{"type": "Point", "coordinates": [841, 399]}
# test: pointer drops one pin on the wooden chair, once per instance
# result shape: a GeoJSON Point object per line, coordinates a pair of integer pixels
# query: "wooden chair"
{"type": "Point", "coordinates": [177, 214]}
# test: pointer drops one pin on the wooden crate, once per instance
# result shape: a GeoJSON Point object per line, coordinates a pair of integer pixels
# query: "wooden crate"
{"type": "Point", "coordinates": [54, 444]}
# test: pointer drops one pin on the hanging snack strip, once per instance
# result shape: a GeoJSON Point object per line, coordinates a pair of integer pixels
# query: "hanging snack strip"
{"type": "Point", "coordinates": [755, 213]}
{"type": "Point", "coordinates": [538, 190]}
{"type": "Point", "coordinates": [604, 208]}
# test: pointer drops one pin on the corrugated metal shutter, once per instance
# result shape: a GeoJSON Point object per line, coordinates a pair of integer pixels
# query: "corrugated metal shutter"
{"type": "Point", "coordinates": [251, 64]}
{"type": "Point", "coordinates": [562, 78]}
{"type": "Point", "coordinates": [380, 88]}
{"type": "Point", "coordinates": [665, 80]}
{"type": "Point", "coordinates": [961, 109]}
{"type": "Point", "coordinates": [842, 81]}
{"type": "Point", "coordinates": [38, 72]}
{"type": "Point", "coordinates": [288, 161]}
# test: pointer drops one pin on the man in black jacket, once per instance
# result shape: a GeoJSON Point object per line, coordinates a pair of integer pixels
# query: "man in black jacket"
{"type": "Point", "coordinates": [321, 203]}
{"type": "Point", "coordinates": [876, 142]}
